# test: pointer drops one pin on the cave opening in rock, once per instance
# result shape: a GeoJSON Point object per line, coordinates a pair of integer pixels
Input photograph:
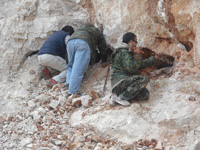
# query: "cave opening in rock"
{"type": "Point", "coordinates": [188, 45]}
{"type": "Point", "coordinates": [165, 63]}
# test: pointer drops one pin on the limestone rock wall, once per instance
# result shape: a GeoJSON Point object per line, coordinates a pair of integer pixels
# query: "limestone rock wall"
{"type": "Point", "coordinates": [160, 25]}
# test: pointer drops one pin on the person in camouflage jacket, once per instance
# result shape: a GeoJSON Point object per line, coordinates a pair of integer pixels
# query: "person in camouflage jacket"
{"type": "Point", "coordinates": [126, 82]}
{"type": "Point", "coordinates": [82, 50]}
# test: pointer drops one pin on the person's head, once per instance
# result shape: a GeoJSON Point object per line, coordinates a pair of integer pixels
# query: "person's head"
{"type": "Point", "coordinates": [130, 39]}
{"type": "Point", "coordinates": [68, 29]}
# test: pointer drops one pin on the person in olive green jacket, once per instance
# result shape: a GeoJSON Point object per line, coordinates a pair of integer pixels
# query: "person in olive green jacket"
{"type": "Point", "coordinates": [126, 82]}
{"type": "Point", "coordinates": [82, 50]}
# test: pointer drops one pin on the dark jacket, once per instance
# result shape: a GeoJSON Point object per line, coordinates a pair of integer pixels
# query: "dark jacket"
{"type": "Point", "coordinates": [124, 65]}
{"type": "Point", "coordinates": [94, 37]}
{"type": "Point", "coordinates": [55, 45]}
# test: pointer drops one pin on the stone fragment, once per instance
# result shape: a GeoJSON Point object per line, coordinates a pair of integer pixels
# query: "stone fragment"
{"type": "Point", "coordinates": [64, 143]}
{"type": "Point", "coordinates": [153, 142]}
{"type": "Point", "coordinates": [99, 147]}
{"type": "Point", "coordinates": [61, 111]}
{"type": "Point", "coordinates": [14, 119]}
{"type": "Point", "coordinates": [54, 104]}
{"type": "Point", "coordinates": [25, 141]}
{"type": "Point", "coordinates": [54, 136]}
{"type": "Point", "coordinates": [10, 118]}
{"type": "Point", "coordinates": [43, 97]}
{"type": "Point", "coordinates": [86, 100]}
{"type": "Point", "coordinates": [192, 98]}
{"type": "Point", "coordinates": [97, 139]}
{"type": "Point", "coordinates": [35, 115]}
{"type": "Point", "coordinates": [65, 115]}
{"type": "Point", "coordinates": [76, 102]}
{"type": "Point", "coordinates": [83, 114]}
{"type": "Point", "coordinates": [41, 111]}
{"type": "Point", "coordinates": [75, 146]}
{"type": "Point", "coordinates": [53, 89]}
{"type": "Point", "coordinates": [58, 143]}
{"type": "Point", "coordinates": [31, 104]}
{"type": "Point", "coordinates": [147, 143]}
{"type": "Point", "coordinates": [64, 137]}
{"type": "Point", "coordinates": [79, 138]}
{"type": "Point", "coordinates": [40, 128]}
{"type": "Point", "coordinates": [69, 99]}
{"type": "Point", "coordinates": [127, 146]}
{"type": "Point", "coordinates": [94, 95]}
{"type": "Point", "coordinates": [159, 146]}
{"type": "Point", "coordinates": [77, 132]}
{"type": "Point", "coordinates": [62, 100]}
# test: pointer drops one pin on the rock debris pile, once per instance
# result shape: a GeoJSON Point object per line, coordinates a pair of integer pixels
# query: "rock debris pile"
{"type": "Point", "coordinates": [46, 125]}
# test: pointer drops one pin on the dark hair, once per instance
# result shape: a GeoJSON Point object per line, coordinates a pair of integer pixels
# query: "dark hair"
{"type": "Point", "coordinates": [88, 24]}
{"type": "Point", "coordinates": [128, 36]}
{"type": "Point", "coordinates": [68, 29]}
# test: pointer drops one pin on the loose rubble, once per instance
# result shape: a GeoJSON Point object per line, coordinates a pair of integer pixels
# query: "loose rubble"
{"type": "Point", "coordinates": [48, 119]}
{"type": "Point", "coordinates": [46, 125]}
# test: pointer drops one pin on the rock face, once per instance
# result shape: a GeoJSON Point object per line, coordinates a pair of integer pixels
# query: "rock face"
{"type": "Point", "coordinates": [160, 25]}
{"type": "Point", "coordinates": [30, 113]}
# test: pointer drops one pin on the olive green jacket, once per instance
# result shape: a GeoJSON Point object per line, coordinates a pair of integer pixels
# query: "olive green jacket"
{"type": "Point", "coordinates": [95, 39]}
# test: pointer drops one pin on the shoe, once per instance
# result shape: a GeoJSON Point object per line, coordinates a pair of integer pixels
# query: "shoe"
{"type": "Point", "coordinates": [66, 87]}
{"type": "Point", "coordinates": [115, 99]}
{"type": "Point", "coordinates": [46, 74]}
{"type": "Point", "coordinates": [123, 102]}
{"type": "Point", "coordinates": [51, 83]}
{"type": "Point", "coordinates": [112, 99]}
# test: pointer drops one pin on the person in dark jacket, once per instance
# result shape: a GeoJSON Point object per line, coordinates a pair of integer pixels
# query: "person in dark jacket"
{"type": "Point", "coordinates": [52, 54]}
{"type": "Point", "coordinates": [126, 82]}
{"type": "Point", "coordinates": [82, 50]}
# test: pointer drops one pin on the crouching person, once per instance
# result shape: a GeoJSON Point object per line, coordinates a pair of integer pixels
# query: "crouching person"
{"type": "Point", "coordinates": [52, 55]}
{"type": "Point", "coordinates": [126, 82]}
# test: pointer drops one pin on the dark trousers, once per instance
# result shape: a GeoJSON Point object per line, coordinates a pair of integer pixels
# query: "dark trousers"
{"type": "Point", "coordinates": [133, 88]}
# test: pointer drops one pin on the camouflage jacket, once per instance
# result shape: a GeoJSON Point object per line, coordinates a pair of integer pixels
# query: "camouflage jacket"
{"type": "Point", "coordinates": [124, 64]}
{"type": "Point", "coordinates": [94, 37]}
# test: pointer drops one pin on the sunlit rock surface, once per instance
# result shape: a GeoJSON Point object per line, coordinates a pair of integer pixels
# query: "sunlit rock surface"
{"type": "Point", "coordinates": [33, 116]}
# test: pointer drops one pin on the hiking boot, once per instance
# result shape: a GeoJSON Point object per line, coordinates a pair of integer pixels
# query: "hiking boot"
{"type": "Point", "coordinates": [66, 87]}
{"type": "Point", "coordinates": [122, 102]}
{"type": "Point", "coordinates": [115, 99]}
{"type": "Point", "coordinates": [51, 83]}
{"type": "Point", "coordinates": [46, 74]}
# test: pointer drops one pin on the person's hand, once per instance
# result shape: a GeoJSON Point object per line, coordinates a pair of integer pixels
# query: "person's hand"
{"type": "Point", "coordinates": [104, 64]}
{"type": "Point", "coordinates": [137, 50]}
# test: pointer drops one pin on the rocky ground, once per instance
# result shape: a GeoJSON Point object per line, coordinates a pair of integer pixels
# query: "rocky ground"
{"type": "Point", "coordinates": [34, 116]}
{"type": "Point", "coordinates": [45, 124]}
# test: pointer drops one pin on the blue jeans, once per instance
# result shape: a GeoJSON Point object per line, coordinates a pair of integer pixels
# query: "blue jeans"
{"type": "Point", "coordinates": [78, 60]}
